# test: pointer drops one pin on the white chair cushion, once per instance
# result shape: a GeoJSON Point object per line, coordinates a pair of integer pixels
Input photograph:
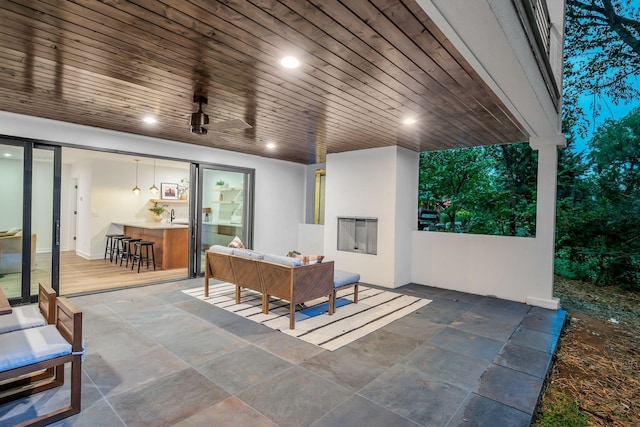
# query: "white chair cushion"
{"type": "Point", "coordinates": [221, 249]}
{"type": "Point", "coordinates": [23, 317]}
{"type": "Point", "coordinates": [284, 260]}
{"type": "Point", "coordinates": [343, 278]}
{"type": "Point", "coordinates": [248, 253]}
{"type": "Point", "coordinates": [21, 348]}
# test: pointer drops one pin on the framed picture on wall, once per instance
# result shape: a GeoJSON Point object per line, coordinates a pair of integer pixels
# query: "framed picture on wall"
{"type": "Point", "coordinates": [169, 191]}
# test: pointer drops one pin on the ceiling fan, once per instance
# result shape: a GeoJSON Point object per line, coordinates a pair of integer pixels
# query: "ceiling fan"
{"type": "Point", "coordinates": [199, 121]}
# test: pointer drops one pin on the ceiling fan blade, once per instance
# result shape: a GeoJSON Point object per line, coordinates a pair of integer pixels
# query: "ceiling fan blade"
{"type": "Point", "coordinates": [229, 124]}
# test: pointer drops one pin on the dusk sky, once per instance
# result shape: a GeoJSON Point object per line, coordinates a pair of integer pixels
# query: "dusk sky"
{"type": "Point", "coordinates": [608, 110]}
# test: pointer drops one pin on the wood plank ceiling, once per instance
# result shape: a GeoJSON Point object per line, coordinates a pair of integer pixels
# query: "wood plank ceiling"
{"type": "Point", "coordinates": [366, 65]}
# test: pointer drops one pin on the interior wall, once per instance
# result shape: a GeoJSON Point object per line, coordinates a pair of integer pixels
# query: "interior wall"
{"type": "Point", "coordinates": [81, 171]}
{"type": "Point", "coordinates": [42, 204]}
{"type": "Point", "coordinates": [113, 201]}
{"type": "Point", "coordinates": [11, 172]}
{"type": "Point", "coordinates": [279, 190]}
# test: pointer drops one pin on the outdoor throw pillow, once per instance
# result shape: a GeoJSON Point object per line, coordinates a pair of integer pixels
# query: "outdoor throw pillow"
{"type": "Point", "coordinates": [307, 259]}
{"type": "Point", "coordinates": [236, 243]}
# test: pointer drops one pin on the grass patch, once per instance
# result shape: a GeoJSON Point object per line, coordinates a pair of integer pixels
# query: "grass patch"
{"type": "Point", "coordinates": [561, 411]}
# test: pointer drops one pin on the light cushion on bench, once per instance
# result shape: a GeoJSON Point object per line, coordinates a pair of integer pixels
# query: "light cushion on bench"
{"type": "Point", "coordinates": [24, 317]}
{"type": "Point", "coordinates": [284, 260]}
{"type": "Point", "coordinates": [248, 253]}
{"type": "Point", "coordinates": [28, 346]}
{"type": "Point", "coordinates": [221, 249]}
{"type": "Point", "coordinates": [343, 278]}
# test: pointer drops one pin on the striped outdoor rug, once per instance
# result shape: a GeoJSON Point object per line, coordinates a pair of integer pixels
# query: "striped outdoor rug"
{"type": "Point", "coordinates": [375, 308]}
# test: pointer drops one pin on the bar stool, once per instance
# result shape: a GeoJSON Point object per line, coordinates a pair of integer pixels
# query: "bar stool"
{"type": "Point", "coordinates": [109, 246]}
{"type": "Point", "coordinates": [126, 249]}
{"type": "Point", "coordinates": [117, 241]}
{"type": "Point", "coordinates": [137, 255]}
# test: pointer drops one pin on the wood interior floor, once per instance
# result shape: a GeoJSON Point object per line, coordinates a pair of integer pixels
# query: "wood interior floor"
{"type": "Point", "coordinates": [80, 275]}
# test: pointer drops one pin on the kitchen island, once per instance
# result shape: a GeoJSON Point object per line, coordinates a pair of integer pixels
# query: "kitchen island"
{"type": "Point", "coordinates": [171, 241]}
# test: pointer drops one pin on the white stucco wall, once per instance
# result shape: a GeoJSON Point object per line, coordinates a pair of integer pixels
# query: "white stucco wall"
{"type": "Point", "coordinates": [501, 266]}
{"type": "Point", "coordinates": [406, 194]}
{"type": "Point", "coordinates": [310, 239]}
{"type": "Point", "coordinates": [377, 183]}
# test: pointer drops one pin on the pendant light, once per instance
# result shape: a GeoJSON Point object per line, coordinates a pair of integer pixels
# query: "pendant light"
{"type": "Point", "coordinates": [136, 189]}
{"type": "Point", "coordinates": [154, 189]}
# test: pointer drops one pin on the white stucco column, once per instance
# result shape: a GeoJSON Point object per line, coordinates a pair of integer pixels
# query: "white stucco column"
{"type": "Point", "coordinates": [379, 183]}
{"type": "Point", "coordinates": [547, 148]}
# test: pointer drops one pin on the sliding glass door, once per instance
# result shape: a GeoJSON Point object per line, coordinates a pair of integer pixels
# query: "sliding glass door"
{"type": "Point", "coordinates": [225, 208]}
{"type": "Point", "coordinates": [29, 224]}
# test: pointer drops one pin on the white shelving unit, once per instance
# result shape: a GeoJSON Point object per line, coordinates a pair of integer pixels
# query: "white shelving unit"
{"type": "Point", "coordinates": [226, 216]}
{"type": "Point", "coordinates": [227, 205]}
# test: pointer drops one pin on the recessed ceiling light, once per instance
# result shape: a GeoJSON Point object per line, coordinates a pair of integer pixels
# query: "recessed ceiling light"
{"type": "Point", "coordinates": [8, 155]}
{"type": "Point", "coordinates": [149, 119]}
{"type": "Point", "coordinates": [409, 121]}
{"type": "Point", "coordinates": [290, 62]}
{"type": "Point", "coordinates": [271, 146]}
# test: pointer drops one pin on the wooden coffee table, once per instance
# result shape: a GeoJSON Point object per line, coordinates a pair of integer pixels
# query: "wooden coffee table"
{"type": "Point", "coordinates": [5, 307]}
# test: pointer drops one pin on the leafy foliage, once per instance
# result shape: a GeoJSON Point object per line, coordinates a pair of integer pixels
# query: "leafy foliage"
{"type": "Point", "coordinates": [490, 190]}
{"type": "Point", "coordinates": [602, 53]}
{"type": "Point", "coordinates": [598, 221]}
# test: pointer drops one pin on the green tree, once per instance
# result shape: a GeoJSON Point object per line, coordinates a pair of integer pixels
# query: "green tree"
{"type": "Point", "coordinates": [491, 189]}
{"type": "Point", "coordinates": [602, 53]}
{"type": "Point", "coordinates": [599, 220]}
{"type": "Point", "coordinates": [516, 167]}
{"type": "Point", "coordinates": [454, 180]}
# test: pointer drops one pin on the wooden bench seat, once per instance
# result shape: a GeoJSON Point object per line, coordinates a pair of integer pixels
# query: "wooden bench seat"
{"type": "Point", "coordinates": [293, 283]}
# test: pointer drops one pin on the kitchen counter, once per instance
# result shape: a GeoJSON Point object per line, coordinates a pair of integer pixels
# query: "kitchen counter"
{"type": "Point", "coordinates": [153, 225]}
{"type": "Point", "coordinates": [171, 241]}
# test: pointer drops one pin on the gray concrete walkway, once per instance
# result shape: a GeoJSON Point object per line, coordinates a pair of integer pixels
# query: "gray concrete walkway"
{"type": "Point", "coordinates": [156, 357]}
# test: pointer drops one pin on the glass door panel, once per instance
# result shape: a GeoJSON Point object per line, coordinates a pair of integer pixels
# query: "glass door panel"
{"type": "Point", "coordinates": [223, 212]}
{"type": "Point", "coordinates": [44, 236]}
{"type": "Point", "coordinates": [11, 239]}
{"type": "Point", "coordinates": [28, 253]}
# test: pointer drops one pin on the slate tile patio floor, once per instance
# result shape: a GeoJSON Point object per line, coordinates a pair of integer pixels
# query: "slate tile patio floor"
{"type": "Point", "coordinates": [157, 357]}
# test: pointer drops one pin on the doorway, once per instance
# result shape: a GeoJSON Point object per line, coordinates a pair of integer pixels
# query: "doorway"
{"type": "Point", "coordinates": [67, 199]}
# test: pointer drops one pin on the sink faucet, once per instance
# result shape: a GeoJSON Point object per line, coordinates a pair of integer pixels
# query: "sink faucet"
{"type": "Point", "coordinates": [173, 215]}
